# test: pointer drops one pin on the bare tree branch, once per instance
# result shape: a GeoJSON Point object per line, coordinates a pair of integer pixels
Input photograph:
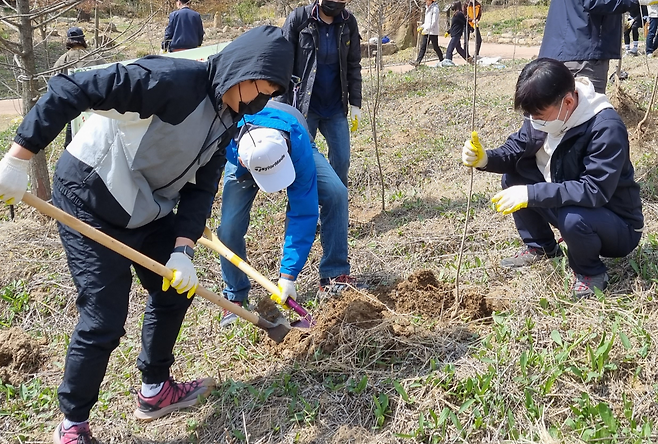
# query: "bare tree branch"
{"type": "Point", "coordinates": [56, 16]}
{"type": "Point", "coordinates": [7, 5]}
{"type": "Point", "coordinates": [12, 47]}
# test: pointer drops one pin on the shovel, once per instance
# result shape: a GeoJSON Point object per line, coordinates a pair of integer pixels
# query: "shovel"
{"type": "Point", "coordinates": [211, 241]}
{"type": "Point", "coordinates": [275, 330]}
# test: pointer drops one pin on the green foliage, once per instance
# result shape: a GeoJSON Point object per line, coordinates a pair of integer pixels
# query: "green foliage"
{"type": "Point", "coordinates": [16, 299]}
{"type": "Point", "coordinates": [382, 408]}
{"type": "Point", "coordinates": [246, 10]}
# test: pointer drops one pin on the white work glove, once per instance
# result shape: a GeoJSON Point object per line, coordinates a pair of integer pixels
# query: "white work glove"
{"type": "Point", "coordinates": [184, 276]}
{"type": "Point", "coordinates": [13, 179]}
{"type": "Point", "coordinates": [473, 155]}
{"type": "Point", "coordinates": [286, 290]}
{"type": "Point", "coordinates": [355, 118]}
{"type": "Point", "coordinates": [511, 199]}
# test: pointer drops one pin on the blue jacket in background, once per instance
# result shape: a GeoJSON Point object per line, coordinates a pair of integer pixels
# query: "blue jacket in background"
{"type": "Point", "coordinates": [590, 167]}
{"type": "Point", "coordinates": [302, 214]}
{"type": "Point", "coordinates": [584, 29]}
{"type": "Point", "coordinates": [184, 31]}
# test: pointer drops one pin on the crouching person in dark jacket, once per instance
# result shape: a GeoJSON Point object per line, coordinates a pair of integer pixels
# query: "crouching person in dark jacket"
{"type": "Point", "coordinates": [568, 166]}
{"type": "Point", "coordinates": [157, 141]}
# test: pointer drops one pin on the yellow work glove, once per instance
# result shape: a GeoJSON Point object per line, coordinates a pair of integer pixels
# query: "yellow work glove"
{"type": "Point", "coordinates": [286, 290]}
{"type": "Point", "coordinates": [355, 118]}
{"type": "Point", "coordinates": [184, 276]}
{"type": "Point", "coordinates": [420, 29]}
{"type": "Point", "coordinates": [473, 155]}
{"type": "Point", "coordinates": [511, 199]}
{"type": "Point", "coordinates": [446, 35]}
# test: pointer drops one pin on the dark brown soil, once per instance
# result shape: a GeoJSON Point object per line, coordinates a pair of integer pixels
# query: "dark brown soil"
{"type": "Point", "coordinates": [420, 295]}
{"type": "Point", "coordinates": [20, 356]}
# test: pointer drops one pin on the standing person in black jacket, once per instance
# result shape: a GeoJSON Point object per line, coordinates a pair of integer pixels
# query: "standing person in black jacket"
{"type": "Point", "coordinates": [327, 59]}
{"type": "Point", "coordinates": [157, 141]}
{"type": "Point", "coordinates": [185, 29]}
{"type": "Point", "coordinates": [457, 26]}
{"type": "Point", "coordinates": [585, 35]}
{"type": "Point", "coordinates": [568, 166]}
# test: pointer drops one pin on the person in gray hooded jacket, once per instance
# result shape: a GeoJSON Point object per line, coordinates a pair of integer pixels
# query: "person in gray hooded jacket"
{"type": "Point", "coordinates": [157, 140]}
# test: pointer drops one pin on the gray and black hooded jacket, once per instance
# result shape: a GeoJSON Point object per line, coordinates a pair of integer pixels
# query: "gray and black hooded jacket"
{"type": "Point", "coordinates": [158, 134]}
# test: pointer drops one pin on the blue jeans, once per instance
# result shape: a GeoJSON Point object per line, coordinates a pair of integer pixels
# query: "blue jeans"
{"type": "Point", "coordinates": [588, 232]}
{"type": "Point", "coordinates": [237, 199]}
{"type": "Point", "coordinates": [651, 35]}
{"type": "Point", "coordinates": [337, 134]}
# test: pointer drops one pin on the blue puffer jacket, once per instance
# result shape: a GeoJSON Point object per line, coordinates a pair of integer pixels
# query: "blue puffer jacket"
{"type": "Point", "coordinates": [302, 214]}
{"type": "Point", "coordinates": [584, 29]}
{"type": "Point", "coordinates": [590, 167]}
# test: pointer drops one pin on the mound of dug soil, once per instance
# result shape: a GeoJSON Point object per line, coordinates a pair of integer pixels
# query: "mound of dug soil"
{"type": "Point", "coordinates": [340, 320]}
{"type": "Point", "coordinates": [20, 356]}
{"type": "Point", "coordinates": [422, 294]}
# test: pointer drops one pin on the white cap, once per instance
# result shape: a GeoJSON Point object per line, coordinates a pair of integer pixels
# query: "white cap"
{"type": "Point", "coordinates": [264, 152]}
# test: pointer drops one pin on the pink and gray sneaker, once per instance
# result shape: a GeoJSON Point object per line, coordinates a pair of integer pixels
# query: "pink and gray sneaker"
{"type": "Point", "coordinates": [76, 434]}
{"type": "Point", "coordinates": [173, 396]}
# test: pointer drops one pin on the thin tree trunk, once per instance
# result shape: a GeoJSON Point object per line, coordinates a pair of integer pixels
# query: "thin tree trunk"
{"type": "Point", "coordinates": [40, 180]}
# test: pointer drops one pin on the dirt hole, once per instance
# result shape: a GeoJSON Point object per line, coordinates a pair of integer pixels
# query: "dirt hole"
{"type": "Point", "coordinates": [20, 356]}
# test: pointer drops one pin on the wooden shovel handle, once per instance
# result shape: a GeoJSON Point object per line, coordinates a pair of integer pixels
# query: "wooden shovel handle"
{"type": "Point", "coordinates": [130, 253]}
{"type": "Point", "coordinates": [211, 241]}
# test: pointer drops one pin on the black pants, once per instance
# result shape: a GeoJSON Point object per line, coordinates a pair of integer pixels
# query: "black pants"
{"type": "Point", "coordinates": [103, 279]}
{"type": "Point", "coordinates": [434, 39]}
{"type": "Point", "coordinates": [455, 43]}
{"type": "Point", "coordinates": [588, 232]}
{"type": "Point", "coordinates": [478, 38]}
{"type": "Point", "coordinates": [634, 28]}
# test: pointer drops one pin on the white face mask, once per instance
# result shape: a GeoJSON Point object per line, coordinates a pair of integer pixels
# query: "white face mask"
{"type": "Point", "coordinates": [549, 126]}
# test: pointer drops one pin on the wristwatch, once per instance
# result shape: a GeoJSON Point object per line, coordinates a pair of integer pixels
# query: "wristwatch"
{"type": "Point", "coordinates": [189, 251]}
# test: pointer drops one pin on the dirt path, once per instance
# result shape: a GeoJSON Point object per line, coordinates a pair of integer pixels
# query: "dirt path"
{"type": "Point", "coordinates": [506, 52]}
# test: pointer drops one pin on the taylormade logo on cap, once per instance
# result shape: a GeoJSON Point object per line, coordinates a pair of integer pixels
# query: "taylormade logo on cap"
{"type": "Point", "coordinates": [264, 152]}
{"type": "Point", "coordinates": [261, 169]}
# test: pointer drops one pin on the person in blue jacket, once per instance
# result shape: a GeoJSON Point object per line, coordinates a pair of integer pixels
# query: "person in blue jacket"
{"type": "Point", "coordinates": [568, 166]}
{"type": "Point", "coordinates": [184, 30]}
{"type": "Point", "coordinates": [156, 141]}
{"type": "Point", "coordinates": [273, 152]}
{"type": "Point", "coordinates": [585, 35]}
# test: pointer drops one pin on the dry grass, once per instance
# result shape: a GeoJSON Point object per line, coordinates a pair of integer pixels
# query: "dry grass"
{"type": "Point", "coordinates": [525, 373]}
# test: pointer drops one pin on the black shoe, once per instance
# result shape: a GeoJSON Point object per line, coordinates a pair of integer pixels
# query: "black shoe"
{"type": "Point", "coordinates": [530, 255]}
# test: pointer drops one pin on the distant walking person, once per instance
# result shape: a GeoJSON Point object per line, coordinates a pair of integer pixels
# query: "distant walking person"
{"type": "Point", "coordinates": [429, 31]}
{"type": "Point", "coordinates": [632, 25]}
{"type": "Point", "coordinates": [76, 56]}
{"type": "Point", "coordinates": [457, 26]}
{"type": "Point", "coordinates": [473, 13]}
{"type": "Point", "coordinates": [185, 29]}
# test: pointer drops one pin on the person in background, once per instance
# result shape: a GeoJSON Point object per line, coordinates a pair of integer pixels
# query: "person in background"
{"type": "Point", "coordinates": [327, 62]}
{"type": "Point", "coordinates": [76, 56]}
{"type": "Point", "coordinates": [652, 35]}
{"type": "Point", "coordinates": [632, 25]}
{"type": "Point", "coordinates": [274, 152]}
{"type": "Point", "coordinates": [184, 30]}
{"type": "Point", "coordinates": [473, 13]}
{"type": "Point", "coordinates": [585, 35]}
{"type": "Point", "coordinates": [568, 166]}
{"type": "Point", "coordinates": [457, 26]}
{"type": "Point", "coordinates": [327, 59]}
{"type": "Point", "coordinates": [120, 177]}
{"type": "Point", "coordinates": [429, 31]}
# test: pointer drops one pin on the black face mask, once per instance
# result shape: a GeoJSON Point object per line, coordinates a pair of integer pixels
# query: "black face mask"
{"type": "Point", "coordinates": [332, 8]}
{"type": "Point", "coordinates": [256, 105]}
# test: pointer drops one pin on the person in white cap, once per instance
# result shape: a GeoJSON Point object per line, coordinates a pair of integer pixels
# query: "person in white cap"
{"type": "Point", "coordinates": [274, 152]}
